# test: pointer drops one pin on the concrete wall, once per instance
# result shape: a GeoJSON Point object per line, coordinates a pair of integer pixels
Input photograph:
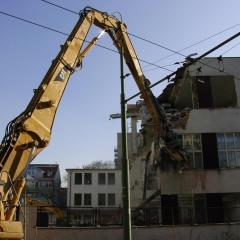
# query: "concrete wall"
{"type": "Point", "coordinates": [209, 232]}
{"type": "Point", "coordinates": [200, 181]}
{"type": "Point", "coordinates": [212, 121]}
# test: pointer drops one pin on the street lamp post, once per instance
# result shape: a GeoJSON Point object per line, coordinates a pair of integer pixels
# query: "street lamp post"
{"type": "Point", "coordinates": [125, 162]}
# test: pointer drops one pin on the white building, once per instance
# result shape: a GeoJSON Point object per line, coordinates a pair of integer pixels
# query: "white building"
{"type": "Point", "coordinates": [94, 194]}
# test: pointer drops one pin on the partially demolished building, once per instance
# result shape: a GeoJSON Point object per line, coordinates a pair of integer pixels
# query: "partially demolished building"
{"type": "Point", "coordinates": [202, 104]}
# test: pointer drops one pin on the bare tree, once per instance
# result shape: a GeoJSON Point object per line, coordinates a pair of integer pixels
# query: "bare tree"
{"type": "Point", "coordinates": [99, 164]}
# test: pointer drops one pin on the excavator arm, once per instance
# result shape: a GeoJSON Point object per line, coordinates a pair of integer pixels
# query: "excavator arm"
{"type": "Point", "coordinates": [29, 133]}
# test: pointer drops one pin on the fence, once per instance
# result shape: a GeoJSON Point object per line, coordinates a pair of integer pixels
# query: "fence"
{"type": "Point", "coordinates": [77, 217]}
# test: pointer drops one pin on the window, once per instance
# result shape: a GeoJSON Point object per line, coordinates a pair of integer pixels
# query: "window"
{"type": "Point", "coordinates": [87, 199]}
{"type": "Point", "coordinates": [102, 178]}
{"type": "Point", "coordinates": [193, 146]}
{"type": "Point", "coordinates": [228, 150]}
{"type": "Point", "coordinates": [101, 199]}
{"type": "Point", "coordinates": [78, 199]}
{"type": "Point", "coordinates": [215, 92]}
{"type": "Point", "coordinates": [111, 199]}
{"type": "Point", "coordinates": [210, 152]}
{"type": "Point", "coordinates": [78, 178]}
{"type": "Point", "coordinates": [87, 178]}
{"type": "Point", "coordinates": [111, 178]}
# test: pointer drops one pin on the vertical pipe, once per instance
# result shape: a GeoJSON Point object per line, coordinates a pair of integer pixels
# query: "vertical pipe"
{"type": "Point", "coordinates": [125, 163]}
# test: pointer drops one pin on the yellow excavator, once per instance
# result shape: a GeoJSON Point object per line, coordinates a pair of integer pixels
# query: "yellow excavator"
{"type": "Point", "coordinates": [29, 133]}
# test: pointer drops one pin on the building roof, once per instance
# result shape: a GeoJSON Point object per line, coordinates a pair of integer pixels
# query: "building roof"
{"type": "Point", "coordinates": [92, 169]}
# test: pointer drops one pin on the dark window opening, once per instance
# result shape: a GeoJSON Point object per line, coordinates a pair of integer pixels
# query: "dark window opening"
{"type": "Point", "coordinates": [215, 92]}
{"type": "Point", "coordinates": [215, 212]}
{"type": "Point", "coordinates": [111, 199]}
{"type": "Point", "coordinates": [78, 178]}
{"type": "Point", "coordinates": [204, 90]}
{"type": "Point", "coordinates": [102, 178]}
{"type": "Point", "coordinates": [210, 152]}
{"type": "Point", "coordinates": [78, 199]}
{"type": "Point", "coordinates": [101, 199]}
{"type": "Point", "coordinates": [87, 199]}
{"type": "Point", "coordinates": [169, 209]}
{"type": "Point", "coordinates": [87, 178]}
{"type": "Point", "coordinates": [111, 178]}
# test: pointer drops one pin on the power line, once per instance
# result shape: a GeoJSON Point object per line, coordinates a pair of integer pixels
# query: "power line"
{"type": "Point", "coordinates": [84, 40]}
{"type": "Point", "coordinates": [131, 34]}
{"type": "Point", "coordinates": [156, 44]}
{"type": "Point", "coordinates": [151, 42]}
{"type": "Point", "coordinates": [194, 44]}
{"type": "Point", "coordinates": [159, 45]}
{"type": "Point", "coordinates": [58, 6]}
{"type": "Point", "coordinates": [231, 48]}
{"type": "Point", "coordinates": [106, 48]}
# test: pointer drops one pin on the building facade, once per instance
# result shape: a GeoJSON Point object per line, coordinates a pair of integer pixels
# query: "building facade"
{"type": "Point", "coordinates": [43, 184]}
{"type": "Point", "coordinates": [202, 105]}
{"type": "Point", "coordinates": [94, 193]}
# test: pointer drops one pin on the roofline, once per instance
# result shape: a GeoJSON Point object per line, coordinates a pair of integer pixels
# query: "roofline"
{"type": "Point", "coordinates": [92, 169]}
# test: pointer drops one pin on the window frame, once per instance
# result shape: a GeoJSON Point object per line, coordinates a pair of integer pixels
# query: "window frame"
{"type": "Point", "coordinates": [193, 151]}
{"type": "Point", "coordinates": [85, 179]}
{"type": "Point", "coordinates": [108, 199]}
{"type": "Point", "coordinates": [227, 150]}
{"type": "Point", "coordinates": [102, 194]}
{"type": "Point", "coordinates": [109, 182]}
{"type": "Point", "coordinates": [80, 178]}
{"type": "Point", "coordinates": [80, 195]}
{"type": "Point", "coordinates": [99, 178]}
{"type": "Point", "coordinates": [85, 200]}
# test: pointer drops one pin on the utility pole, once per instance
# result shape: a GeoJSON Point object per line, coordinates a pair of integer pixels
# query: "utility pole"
{"type": "Point", "coordinates": [127, 233]}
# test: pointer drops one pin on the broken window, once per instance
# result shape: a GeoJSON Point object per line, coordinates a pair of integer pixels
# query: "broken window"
{"type": "Point", "coordinates": [204, 91]}
{"type": "Point", "coordinates": [215, 91]}
{"type": "Point", "coordinates": [228, 150]}
{"type": "Point", "coordinates": [169, 209]}
{"type": "Point", "coordinates": [215, 210]}
{"type": "Point", "coordinates": [193, 146]}
{"type": "Point", "coordinates": [210, 153]}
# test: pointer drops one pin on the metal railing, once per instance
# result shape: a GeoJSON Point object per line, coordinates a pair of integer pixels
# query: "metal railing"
{"type": "Point", "coordinates": [79, 217]}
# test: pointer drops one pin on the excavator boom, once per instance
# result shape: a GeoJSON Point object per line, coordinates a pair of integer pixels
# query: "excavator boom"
{"type": "Point", "coordinates": [29, 133]}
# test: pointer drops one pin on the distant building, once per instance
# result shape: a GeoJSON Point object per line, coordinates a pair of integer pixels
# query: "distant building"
{"type": "Point", "coordinates": [133, 137]}
{"type": "Point", "coordinates": [91, 190]}
{"type": "Point", "coordinates": [43, 183]}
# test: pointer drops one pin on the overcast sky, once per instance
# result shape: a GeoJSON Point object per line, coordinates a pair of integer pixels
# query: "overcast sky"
{"type": "Point", "coordinates": [82, 130]}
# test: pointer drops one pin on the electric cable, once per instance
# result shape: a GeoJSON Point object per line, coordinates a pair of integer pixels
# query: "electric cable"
{"type": "Point", "coordinates": [112, 50]}
{"type": "Point", "coordinates": [194, 44]}
{"type": "Point", "coordinates": [149, 41]}
{"type": "Point", "coordinates": [230, 49]}
{"type": "Point", "coordinates": [84, 40]}
{"type": "Point", "coordinates": [156, 44]}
